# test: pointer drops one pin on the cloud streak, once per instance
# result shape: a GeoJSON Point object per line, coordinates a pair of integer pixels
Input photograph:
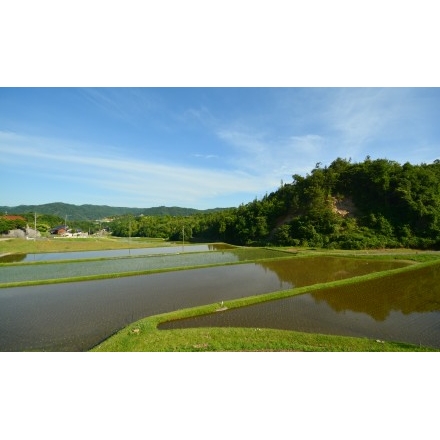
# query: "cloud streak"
{"type": "Point", "coordinates": [145, 181]}
{"type": "Point", "coordinates": [277, 158]}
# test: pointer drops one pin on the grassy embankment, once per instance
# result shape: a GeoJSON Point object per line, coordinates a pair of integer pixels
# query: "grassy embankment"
{"type": "Point", "coordinates": [144, 335]}
{"type": "Point", "coordinates": [20, 246]}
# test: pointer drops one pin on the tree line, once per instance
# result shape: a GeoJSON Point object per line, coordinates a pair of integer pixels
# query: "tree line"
{"type": "Point", "coordinates": [94, 212]}
{"type": "Point", "coordinates": [371, 204]}
{"type": "Point", "coordinates": [392, 205]}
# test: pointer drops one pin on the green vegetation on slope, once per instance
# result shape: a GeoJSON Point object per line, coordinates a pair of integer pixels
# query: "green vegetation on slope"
{"type": "Point", "coordinates": [373, 204]}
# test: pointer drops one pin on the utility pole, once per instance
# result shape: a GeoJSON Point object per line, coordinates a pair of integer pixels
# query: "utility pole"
{"type": "Point", "coordinates": [129, 234]}
{"type": "Point", "coordinates": [35, 224]}
{"type": "Point", "coordinates": [183, 238]}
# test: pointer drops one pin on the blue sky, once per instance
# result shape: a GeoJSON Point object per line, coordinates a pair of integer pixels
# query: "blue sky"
{"type": "Point", "coordinates": [198, 147]}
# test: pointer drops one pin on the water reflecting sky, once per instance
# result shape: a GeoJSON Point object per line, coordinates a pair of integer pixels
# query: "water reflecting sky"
{"type": "Point", "coordinates": [50, 256]}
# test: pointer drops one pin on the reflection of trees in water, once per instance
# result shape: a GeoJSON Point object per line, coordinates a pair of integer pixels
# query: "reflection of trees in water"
{"type": "Point", "coordinates": [219, 246]}
{"type": "Point", "coordinates": [408, 292]}
{"type": "Point", "coordinates": [313, 270]}
{"type": "Point", "coordinates": [12, 258]}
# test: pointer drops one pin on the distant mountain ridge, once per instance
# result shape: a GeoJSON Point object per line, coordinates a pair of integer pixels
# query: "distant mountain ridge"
{"type": "Point", "coordinates": [95, 212]}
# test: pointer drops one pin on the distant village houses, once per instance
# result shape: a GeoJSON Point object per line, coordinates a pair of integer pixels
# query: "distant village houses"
{"type": "Point", "coordinates": [59, 230]}
{"type": "Point", "coordinates": [65, 231]}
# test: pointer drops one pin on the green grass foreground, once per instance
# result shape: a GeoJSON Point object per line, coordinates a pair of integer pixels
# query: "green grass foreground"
{"type": "Point", "coordinates": [141, 339]}
{"type": "Point", "coordinates": [143, 335]}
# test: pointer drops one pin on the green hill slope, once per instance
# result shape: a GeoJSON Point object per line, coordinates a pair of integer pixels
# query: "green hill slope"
{"type": "Point", "coordinates": [95, 212]}
{"type": "Point", "coordinates": [372, 204]}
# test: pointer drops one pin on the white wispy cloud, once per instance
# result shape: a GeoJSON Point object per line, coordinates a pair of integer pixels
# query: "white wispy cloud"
{"type": "Point", "coordinates": [362, 119]}
{"type": "Point", "coordinates": [321, 125]}
{"type": "Point", "coordinates": [206, 156]}
{"type": "Point", "coordinates": [251, 151]}
{"type": "Point", "coordinates": [200, 115]}
{"type": "Point", "coordinates": [274, 158]}
{"type": "Point", "coordinates": [309, 144]}
{"type": "Point", "coordinates": [130, 105]}
{"type": "Point", "coordinates": [153, 183]}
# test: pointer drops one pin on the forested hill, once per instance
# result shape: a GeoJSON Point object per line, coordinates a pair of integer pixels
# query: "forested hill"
{"type": "Point", "coordinates": [376, 203]}
{"type": "Point", "coordinates": [96, 212]}
{"type": "Point", "coordinates": [373, 204]}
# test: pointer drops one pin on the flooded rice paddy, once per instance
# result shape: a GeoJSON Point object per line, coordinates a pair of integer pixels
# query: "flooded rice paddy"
{"type": "Point", "coordinates": [77, 316]}
{"type": "Point", "coordinates": [54, 256]}
{"type": "Point", "coordinates": [41, 272]}
{"type": "Point", "coordinates": [404, 307]}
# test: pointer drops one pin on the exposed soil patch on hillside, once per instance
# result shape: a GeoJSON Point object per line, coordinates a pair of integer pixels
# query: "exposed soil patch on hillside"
{"type": "Point", "coordinates": [344, 207]}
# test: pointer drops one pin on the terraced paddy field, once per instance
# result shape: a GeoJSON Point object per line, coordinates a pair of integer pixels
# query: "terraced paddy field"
{"type": "Point", "coordinates": [111, 253]}
{"type": "Point", "coordinates": [100, 297]}
{"type": "Point", "coordinates": [47, 272]}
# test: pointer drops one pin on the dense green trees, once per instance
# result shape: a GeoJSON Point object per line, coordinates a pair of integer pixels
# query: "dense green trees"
{"type": "Point", "coordinates": [390, 205]}
{"type": "Point", "coordinates": [7, 224]}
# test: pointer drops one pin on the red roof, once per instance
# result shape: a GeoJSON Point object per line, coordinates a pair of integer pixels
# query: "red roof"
{"type": "Point", "coordinates": [14, 217]}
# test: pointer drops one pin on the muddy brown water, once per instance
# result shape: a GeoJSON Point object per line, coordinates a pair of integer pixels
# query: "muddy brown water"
{"type": "Point", "coordinates": [402, 308]}
{"type": "Point", "coordinates": [77, 316]}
